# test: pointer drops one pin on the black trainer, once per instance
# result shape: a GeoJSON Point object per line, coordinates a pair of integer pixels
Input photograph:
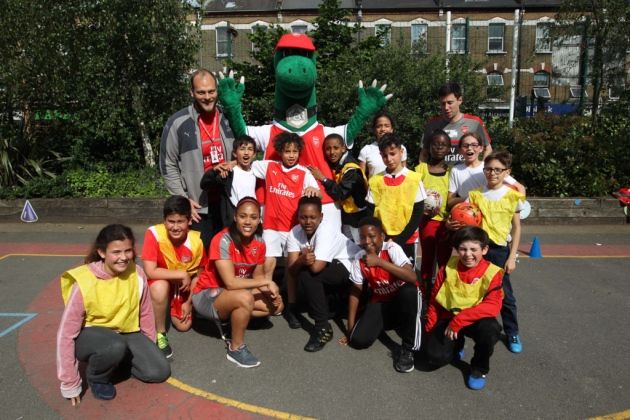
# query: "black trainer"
{"type": "Point", "coordinates": [404, 363]}
{"type": "Point", "coordinates": [103, 391]}
{"type": "Point", "coordinates": [292, 320]}
{"type": "Point", "coordinates": [319, 339]}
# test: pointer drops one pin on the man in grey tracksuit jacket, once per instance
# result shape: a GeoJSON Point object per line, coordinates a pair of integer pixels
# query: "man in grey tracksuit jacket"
{"type": "Point", "coordinates": [181, 160]}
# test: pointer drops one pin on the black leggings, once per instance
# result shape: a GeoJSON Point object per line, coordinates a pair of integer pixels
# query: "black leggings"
{"type": "Point", "coordinates": [403, 311]}
{"type": "Point", "coordinates": [104, 349]}
{"type": "Point", "coordinates": [485, 333]}
{"type": "Point", "coordinates": [315, 286]}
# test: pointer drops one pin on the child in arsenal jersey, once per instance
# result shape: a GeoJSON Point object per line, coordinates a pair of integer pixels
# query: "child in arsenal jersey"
{"type": "Point", "coordinates": [172, 256]}
{"type": "Point", "coordinates": [285, 183]}
{"type": "Point", "coordinates": [465, 301]}
{"type": "Point", "coordinates": [394, 298]}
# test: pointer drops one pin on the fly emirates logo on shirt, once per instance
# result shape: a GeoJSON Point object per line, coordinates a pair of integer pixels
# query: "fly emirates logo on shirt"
{"type": "Point", "coordinates": [282, 190]}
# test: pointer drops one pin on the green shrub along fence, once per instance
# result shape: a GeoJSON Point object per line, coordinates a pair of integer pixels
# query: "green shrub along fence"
{"type": "Point", "coordinates": [564, 156]}
{"type": "Point", "coordinates": [98, 182]}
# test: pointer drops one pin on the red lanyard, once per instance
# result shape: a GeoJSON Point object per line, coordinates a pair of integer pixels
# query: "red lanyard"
{"type": "Point", "coordinates": [215, 127]}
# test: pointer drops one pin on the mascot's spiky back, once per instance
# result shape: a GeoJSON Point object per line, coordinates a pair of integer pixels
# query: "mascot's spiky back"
{"type": "Point", "coordinates": [295, 105]}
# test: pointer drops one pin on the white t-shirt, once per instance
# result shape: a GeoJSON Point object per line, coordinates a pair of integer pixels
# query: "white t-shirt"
{"type": "Point", "coordinates": [328, 244]}
{"type": "Point", "coordinates": [371, 156]}
{"type": "Point", "coordinates": [464, 179]}
{"type": "Point", "coordinates": [243, 185]}
{"type": "Point", "coordinates": [396, 255]}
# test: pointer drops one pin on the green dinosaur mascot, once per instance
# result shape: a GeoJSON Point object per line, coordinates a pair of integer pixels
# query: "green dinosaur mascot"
{"type": "Point", "coordinates": [296, 107]}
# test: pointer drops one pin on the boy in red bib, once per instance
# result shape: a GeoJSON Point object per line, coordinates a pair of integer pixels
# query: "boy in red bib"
{"type": "Point", "coordinates": [172, 256]}
{"type": "Point", "coordinates": [465, 301]}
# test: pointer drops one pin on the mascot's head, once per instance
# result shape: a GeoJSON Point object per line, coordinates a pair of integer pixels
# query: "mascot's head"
{"type": "Point", "coordinates": [294, 61]}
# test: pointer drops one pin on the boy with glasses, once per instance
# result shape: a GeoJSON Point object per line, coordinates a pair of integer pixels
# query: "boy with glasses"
{"type": "Point", "coordinates": [500, 207]}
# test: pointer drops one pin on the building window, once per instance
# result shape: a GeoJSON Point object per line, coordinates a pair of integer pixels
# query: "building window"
{"type": "Point", "coordinates": [541, 79]}
{"type": "Point", "coordinates": [496, 33]}
{"type": "Point", "coordinates": [458, 38]}
{"type": "Point", "coordinates": [576, 92]}
{"type": "Point", "coordinates": [543, 37]}
{"type": "Point", "coordinates": [494, 90]}
{"type": "Point", "coordinates": [419, 40]}
{"type": "Point", "coordinates": [384, 33]}
{"type": "Point", "coordinates": [495, 79]}
{"type": "Point", "coordinates": [222, 42]}
{"type": "Point", "coordinates": [299, 29]}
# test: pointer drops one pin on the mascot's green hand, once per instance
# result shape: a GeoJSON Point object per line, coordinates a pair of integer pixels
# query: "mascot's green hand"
{"type": "Point", "coordinates": [371, 100]}
{"type": "Point", "coordinates": [230, 95]}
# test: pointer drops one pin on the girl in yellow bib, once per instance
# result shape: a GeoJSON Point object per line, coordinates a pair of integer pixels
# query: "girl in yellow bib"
{"type": "Point", "coordinates": [108, 318]}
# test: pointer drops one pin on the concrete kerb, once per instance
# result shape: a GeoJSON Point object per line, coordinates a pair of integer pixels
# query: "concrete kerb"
{"type": "Point", "coordinates": [545, 211]}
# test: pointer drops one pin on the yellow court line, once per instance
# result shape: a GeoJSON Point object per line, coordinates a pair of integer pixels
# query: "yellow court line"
{"type": "Point", "coordinates": [234, 403]}
{"type": "Point", "coordinates": [622, 415]}
{"type": "Point", "coordinates": [577, 256]}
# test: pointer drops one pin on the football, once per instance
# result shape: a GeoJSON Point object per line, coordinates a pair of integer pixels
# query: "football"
{"type": "Point", "coordinates": [433, 200]}
{"type": "Point", "coordinates": [467, 214]}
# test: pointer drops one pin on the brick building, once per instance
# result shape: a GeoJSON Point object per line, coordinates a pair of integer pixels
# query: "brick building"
{"type": "Point", "coordinates": [481, 28]}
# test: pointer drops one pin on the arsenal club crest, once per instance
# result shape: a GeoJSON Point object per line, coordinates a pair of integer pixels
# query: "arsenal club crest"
{"type": "Point", "coordinates": [465, 129]}
{"type": "Point", "coordinates": [295, 177]}
{"type": "Point", "coordinates": [297, 116]}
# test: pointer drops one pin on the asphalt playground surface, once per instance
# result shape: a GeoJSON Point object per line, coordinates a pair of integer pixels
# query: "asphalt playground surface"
{"type": "Point", "coordinates": [574, 312]}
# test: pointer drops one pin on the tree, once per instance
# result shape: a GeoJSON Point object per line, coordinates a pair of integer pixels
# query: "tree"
{"type": "Point", "coordinates": [92, 80]}
{"type": "Point", "coordinates": [604, 23]}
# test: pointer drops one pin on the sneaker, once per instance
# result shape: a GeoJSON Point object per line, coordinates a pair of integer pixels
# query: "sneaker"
{"type": "Point", "coordinates": [514, 344]}
{"type": "Point", "coordinates": [318, 339]}
{"type": "Point", "coordinates": [103, 391]}
{"type": "Point", "coordinates": [162, 343]}
{"type": "Point", "coordinates": [242, 357]}
{"type": "Point", "coordinates": [292, 320]}
{"type": "Point", "coordinates": [476, 381]}
{"type": "Point", "coordinates": [459, 355]}
{"type": "Point", "coordinates": [404, 364]}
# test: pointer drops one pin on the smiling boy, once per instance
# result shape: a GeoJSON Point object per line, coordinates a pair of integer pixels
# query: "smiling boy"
{"type": "Point", "coordinates": [465, 301]}
{"type": "Point", "coordinates": [172, 256]}
{"type": "Point", "coordinates": [348, 187]}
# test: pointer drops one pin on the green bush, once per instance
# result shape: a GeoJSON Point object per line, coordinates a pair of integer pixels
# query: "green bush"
{"type": "Point", "coordinates": [97, 182]}
{"type": "Point", "coordinates": [560, 156]}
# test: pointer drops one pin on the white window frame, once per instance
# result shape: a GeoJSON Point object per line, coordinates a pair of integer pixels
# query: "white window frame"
{"type": "Point", "coordinates": [455, 39]}
{"type": "Point", "coordinates": [540, 85]}
{"type": "Point", "coordinates": [491, 38]}
{"type": "Point", "coordinates": [575, 92]}
{"type": "Point", "coordinates": [421, 33]}
{"type": "Point", "coordinates": [299, 29]}
{"type": "Point", "coordinates": [543, 39]}
{"type": "Point", "coordinates": [222, 44]}
{"type": "Point", "coordinates": [381, 27]}
{"type": "Point", "coordinates": [542, 92]}
{"type": "Point", "coordinates": [491, 77]}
